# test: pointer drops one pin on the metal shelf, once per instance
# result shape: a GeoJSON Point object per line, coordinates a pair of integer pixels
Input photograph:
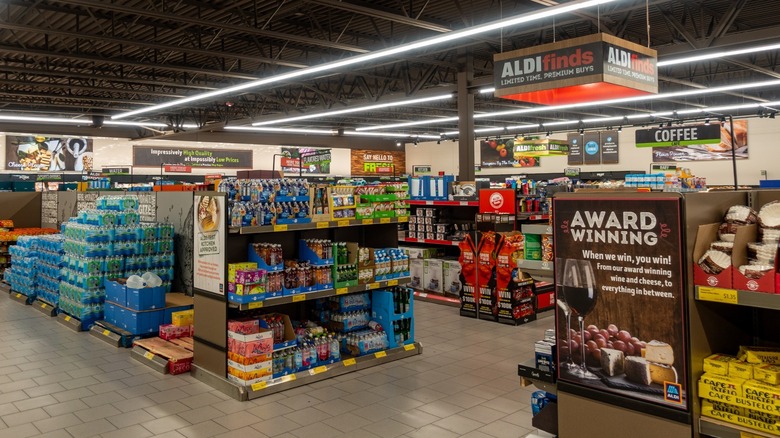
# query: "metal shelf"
{"type": "Point", "coordinates": [269, 302]}
{"type": "Point", "coordinates": [317, 225]}
{"type": "Point", "coordinates": [535, 265]}
{"type": "Point", "coordinates": [536, 229]}
{"type": "Point", "coordinates": [430, 241]}
{"type": "Point", "coordinates": [443, 203]}
{"type": "Point", "coordinates": [721, 429]}
{"type": "Point", "coordinates": [532, 217]}
{"type": "Point", "coordinates": [761, 300]}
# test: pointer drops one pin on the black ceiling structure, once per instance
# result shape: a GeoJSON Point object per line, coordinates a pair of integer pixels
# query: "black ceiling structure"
{"type": "Point", "coordinates": [86, 58]}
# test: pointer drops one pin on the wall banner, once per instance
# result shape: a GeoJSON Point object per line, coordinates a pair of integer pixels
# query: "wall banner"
{"type": "Point", "coordinates": [209, 253]}
{"type": "Point", "coordinates": [305, 160]}
{"type": "Point", "coordinates": [378, 163]}
{"type": "Point", "coordinates": [39, 153]}
{"type": "Point", "coordinates": [696, 142]}
{"type": "Point", "coordinates": [156, 156]}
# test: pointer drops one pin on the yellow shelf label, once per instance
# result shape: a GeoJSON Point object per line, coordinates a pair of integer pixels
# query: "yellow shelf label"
{"type": "Point", "coordinates": [318, 370]}
{"type": "Point", "coordinates": [380, 354]}
{"type": "Point", "coordinates": [298, 298]}
{"type": "Point", "coordinates": [280, 227]}
{"type": "Point", "coordinates": [67, 318]}
{"type": "Point", "coordinates": [341, 291]}
{"type": "Point", "coordinates": [409, 347]}
{"type": "Point", "coordinates": [384, 220]}
{"type": "Point", "coordinates": [718, 295]}
{"type": "Point", "coordinates": [392, 282]}
{"type": "Point", "coordinates": [403, 219]}
{"type": "Point", "coordinates": [259, 385]}
{"type": "Point", "coordinates": [18, 295]}
{"type": "Point", "coordinates": [349, 362]}
{"type": "Point", "coordinates": [324, 224]}
{"type": "Point", "coordinates": [368, 222]}
{"type": "Point", "coordinates": [256, 305]}
{"type": "Point", "coordinates": [44, 306]}
{"type": "Point", "coordinates": [288, 378]}
{"type": "Point", "coordinates": [373, 285]}
{"type": "Point", "coordinates": [149, 355]}
{"type": "Point", "coordinates": [106, 332]}
{"type": "Point", "coordinates": [343, 223]}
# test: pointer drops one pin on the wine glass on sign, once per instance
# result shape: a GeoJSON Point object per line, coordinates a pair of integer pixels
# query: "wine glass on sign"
{"type": "Point", "coordinates": [578, 287]}
{"type": "Point", "coordinates": [560, 301]}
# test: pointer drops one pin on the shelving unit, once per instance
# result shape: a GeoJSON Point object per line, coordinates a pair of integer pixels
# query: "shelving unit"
{"type": "Point", "coordinates": [760, 300]}
{"type": "Point", "coordinates": [212, 310]}
{"type": "Point", "coordinates": [443, 203]}
{"type": "Point", "coordinates": [430, 241]}
{"type": "Point", "coordinates": [721, 429]}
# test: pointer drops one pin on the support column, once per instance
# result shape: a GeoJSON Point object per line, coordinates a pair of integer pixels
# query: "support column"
{"type": "Point", "coordinates": [466, 160]}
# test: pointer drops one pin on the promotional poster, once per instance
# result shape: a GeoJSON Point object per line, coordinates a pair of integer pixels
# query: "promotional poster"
{"type": "Point", "coordinates": [305, 160]}
{"type": "Point", "coordinates": [39, 153]}
{"type": "Point", "coordinates": [696, 143]}
{"type": "Point", "coordinates": [620, 315]}
{"type": "Point", "coordinates": [156, 156]}
{"type": "Point", "coordinates": [209, 257]}
{"type": "Point", "coordinates": [500, 153]}
{"type": "Point", "coordinates": [378, 163]}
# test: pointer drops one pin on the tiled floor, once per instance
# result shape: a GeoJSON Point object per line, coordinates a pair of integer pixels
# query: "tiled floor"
{"type": "Point", "coordinates": [57, 383]}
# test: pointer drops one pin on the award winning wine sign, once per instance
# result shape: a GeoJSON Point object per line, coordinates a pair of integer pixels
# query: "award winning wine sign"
{"type": "Point", "coordinates": [620, 290]}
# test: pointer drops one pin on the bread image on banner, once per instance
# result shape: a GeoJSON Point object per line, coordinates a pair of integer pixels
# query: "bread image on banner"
{"type": "Point", "coordinates": [208, 214]}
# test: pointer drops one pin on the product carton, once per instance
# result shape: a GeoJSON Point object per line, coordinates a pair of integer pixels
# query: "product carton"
{"type": "Point", "coordinates": [740, 369]}
{"type": "Point", "coordinates": [417, 272]}
{"type": "Point", "coordinates": [420, 253]}
{"type": "Point", "coordinates": [182, 318]}
{"type": "Point", "coordinates": [718, 364]}
{"type": "Point", "coordinates": [739, 420]}
{"type": "Point", "coordinates": [251, 345]}
{"type": "Point", "coordinates": [515, 295]}
{"type": "Point", "coordinates": [468, 263]}
{"type": "Point", "coordinates": [451, 277]}
{"type": "Point", "coordinates": [767, 373]}
{"type": "Point", "coordinates": [233, 268]}
{"type": "Point", "coordinates": [705, 235]}
{"type": "Point", "coordinates": [432, 272]}
{"type": "Point", "coordinates": [764, 283]}
{"type": "Point", "coordinates": [486, 266]}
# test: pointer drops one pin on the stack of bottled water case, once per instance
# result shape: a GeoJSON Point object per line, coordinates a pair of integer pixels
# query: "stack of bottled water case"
{"type": "Point", "coordinates": [48, 267]}
{"type": "Point", "coordinates": [107, 243]}
{"type": "Point", "coordinates": [21, 274]}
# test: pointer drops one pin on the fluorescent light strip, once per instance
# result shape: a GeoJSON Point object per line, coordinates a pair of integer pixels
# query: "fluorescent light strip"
{"type": "Point", "coordinates": [286, 130]}
{"type": "Point", "coordinates": [141, 124]}
{"type": "Point", "coordinates": [721, 54]}
{"type": "Point", "coordinates": [539, 109]}
{"type": "Point", "coordinates": [356, 109]}
{"type": "Point", "coordinates": [391, 134]}
{"type": "Point", "coordinates": [487, 90]}
{"type": "Point", "coordinates": [32, 119]}
{"type": "Point", "coordinates": [397, 50]}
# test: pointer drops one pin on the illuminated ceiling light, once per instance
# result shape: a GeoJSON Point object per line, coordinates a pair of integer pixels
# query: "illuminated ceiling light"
{"type": "Point", "coordinates": [379, 54]}
{"type": "Point", "coordinates": [357, 109]}
{"type": "Point", "coordinates": [141, 124]}
{"type": "Point", "coordinates": [287, 130]}
{"type": "Point", "coordinates": [406, 124]}
{"type": "Point", "coordinates": [35, 119]}
{"type": "Point", "coordinates": [719, 54]}
{"type": "Point", "coordinates": [487, 90]}
{"type": "Point", "coordinates": [391, 134]}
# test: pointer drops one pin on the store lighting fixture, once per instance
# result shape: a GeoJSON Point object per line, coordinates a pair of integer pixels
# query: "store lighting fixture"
{"type": "Point", "coordinates": [719, 54]}
{"type": "Point", "coordinates": [378, 54]}
{"type": "Point", "coordinates": [487, 90]}
{"type": "Point", "coordinates": [399, 103]}
{"type": "Point", "coordinates": [707, 121]}
{"type": "Point", "coordinates": [283, 130]}
{"type": "Point", "coordinates": [35, 119]}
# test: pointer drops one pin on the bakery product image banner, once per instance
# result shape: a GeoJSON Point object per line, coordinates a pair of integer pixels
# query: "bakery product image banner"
{"type": "Point", "coordinates": [619, 284]}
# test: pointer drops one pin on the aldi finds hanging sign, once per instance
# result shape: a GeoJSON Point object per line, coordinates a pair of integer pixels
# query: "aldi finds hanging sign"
{"type": "Point", "coordinates": [576, 70]}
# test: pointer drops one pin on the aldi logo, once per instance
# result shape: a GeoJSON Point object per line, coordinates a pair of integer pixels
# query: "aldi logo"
{"type": "Point", "coordinates": [673, 392]}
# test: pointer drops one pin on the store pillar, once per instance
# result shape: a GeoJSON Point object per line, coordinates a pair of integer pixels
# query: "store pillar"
{"type": "Point", "coordinates": [465, 120]}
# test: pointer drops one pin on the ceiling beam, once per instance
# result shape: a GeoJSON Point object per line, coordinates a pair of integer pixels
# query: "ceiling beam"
{"type": "Point", "coordinates": [375, 13]}
{"type": "Point", "coordinates": [100, 77]}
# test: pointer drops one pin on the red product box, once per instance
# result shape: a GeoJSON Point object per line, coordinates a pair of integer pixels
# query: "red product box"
{"type": "Point", "coordinates": [170, 331]}
{"type": "Point", "coordinates": [179, 366]}
{"type": "Point", "coordinates": [248, 361]}
{"type": "Point", "coordinates": [244, 326]}
{"type": "Point", "coordinates": [249, 276]}
{"type": "Point", "coordinates": [251, 345]}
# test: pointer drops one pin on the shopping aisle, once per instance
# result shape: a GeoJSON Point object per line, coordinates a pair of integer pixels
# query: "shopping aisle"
{"type": "Point", "coordinates": [60, 383]}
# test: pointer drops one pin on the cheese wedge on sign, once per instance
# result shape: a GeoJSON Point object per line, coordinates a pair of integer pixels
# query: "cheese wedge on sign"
{"type": "Point", "coordinates": [662, 373]}
{"type": "Point", "coordinates": [612, 361]}
{"type": "Point", "coordinates": [637, 370]}
{"type": "Point", "coordinates": [659, 352]}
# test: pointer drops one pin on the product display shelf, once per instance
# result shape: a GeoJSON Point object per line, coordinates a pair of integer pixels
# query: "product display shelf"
{"type": "Point", "coordinates": [430, 241]}
{"type": "Point", "coordinates": [20, 298]}
{"type": "Point", "coordinates": [301, 378]}
{"type": "Point", "coordinates": [721, 429]}
{"type": "Point", "coordinates": [71, 322]}
{"type": "Point", "coordinates": [443, 203]}
{"type": "Point", "coordinates": [533, 217]}
{"type": "Point", "coordinates": [44, 307]}
{"type": "Point", "coordinates": [277, 301]}
{"type": "Point", "coordinates": [547, 418]}
{"type": "Point", "coordinates": [760, 300]}
{"type": "Point", "coordinates": [317, 225]}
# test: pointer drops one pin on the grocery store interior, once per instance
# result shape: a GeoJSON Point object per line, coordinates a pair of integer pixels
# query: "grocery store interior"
{"type": "Point", "coordinates": [483, 218]}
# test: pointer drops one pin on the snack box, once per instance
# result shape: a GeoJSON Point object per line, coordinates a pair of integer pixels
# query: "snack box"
{"type": "Point", "coordinates": [261, 343]}
{"type": "Point", "coordinates": [718, 364]}
{"type": "Point", "coordinates": [247, 277]}
{"type": "Point", "coordinates": [183, 318]}
{"type": "Point", "coordinates": [705, 235]}
{"type": "Point", "coordinates": [233, 268]}
{"type": "Point", "coordinates": [249, 289]}
{"type": "Point", "coordinates": [244, 326]}
{"type": "Point", "coordinates": [170, 331]}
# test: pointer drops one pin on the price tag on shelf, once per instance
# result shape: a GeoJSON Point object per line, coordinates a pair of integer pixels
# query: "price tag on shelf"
{"type": "Point", "coordinates": [324, 224]}
{"type": "Point", "coordinates": [372, 286]}
{"type": "Point", "coordinates": [106, 332]}
{"type": "Point", "coordinates": [384, 220]}
{"type": "Point", "coordinates": [288, 378]}
{"type": "Point", "coordinates": [380, 354]}
{"type": "Point", "coordinates": [255, 305]}
{"type": "Point", "coordinates": [403, 219]}
{"type": "Point", "coordinates": [464, 203]}
{"type": "Point", "coordinates": [18, 295]}
{"type": "Point", "coordinates": [392, 282]}
{"type": "Point", "coordinates": [368, 222]}
{"type": "Point", "coordinates": [409, 347]}
{"type": "Point", "coordinates": [318, 370]}
{"type": "Point", "coordinates": [341, 291]}
{"type": "Point", "coordinates": [278, 228]}
{"type": "Point", "coordinates": [44, 306]}
{"type": "Point", "coordinates": [67, 318]}
{"type": "Point", "coordinates": [298, 298]}
{"type": "Point", "coordinates": [349, 362]}
{"type": "Point", "coordinates": [428, 202]}
{"type": "Point", "coordinates": [718, 295]}
{"type": "Point", "coordinates": [749, 435]}
{"type": "Point", "coordinates": [343, 223]}
{"type": "Point", "coordinates": [149, 355]}
{"type": "Point", "coordinates": [259, 385]}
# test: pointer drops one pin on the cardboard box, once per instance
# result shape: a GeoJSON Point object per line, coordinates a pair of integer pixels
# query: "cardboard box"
{"type": "Point", "coordinates": [432, 272]}
{"type": "Point", "coordinates": [170, 331]}
{"type": "Point", "coordinates": [451, 277]}
{"type": "Point", "coordinates": [246, 361]}
{"type": "Point", "coordinates": [252, 345]}
{"type": "Point", "coordinates": [244, 326]}
{"type": "Point", "coordinates": [739, 420]}
{"type": "Point", "coordinates": [468, 263]}
{"type": "Point", "coordinates": [705, 235]}
{"type": "Point", "coordinates": [766, 283]}
{"type": "Point", "coordinates": [242, 382]}
{"type": "Point", "coordinates": [183, 318]}
{"type": "Point", "coordinates": [137, 322]}
{"type": "Point", "coordinates": [249, 372]}
{"type": "Point", "coordinates": [235, 267]}
{"type": "Point", "coordinates": [718, 364]}
{"type": "Point", "coordinates": [417, 273]}
{"type": "Point", "coordinates": [420, 253]}
{"type": "Point", "coordinates": [148, 298]}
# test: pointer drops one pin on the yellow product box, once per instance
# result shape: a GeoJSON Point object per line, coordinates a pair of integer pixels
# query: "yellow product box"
{"type": "Point", "coordinates": [739, 420]}
{"type": "Point", "coordinates": [761, 392]}
{"type": "Point", "coordinates": [723, 407]}
{"type": "Point", "coordinates": [713, 393]}
{"type": "Point", "coordinates": [182, 318]}
{"type": "Point", "coordinates": [762, 416]}
{"type": "Point", "coordinates": [246, 361]}
{"type": "Point", "coordinates": [233, 267]}
{"type": "Point", "coordinates": [718, 364]}
{"type": "Point", "coordinates": [249, 375]}
{"type": "Point", "coordinates": [767, 373]}
{"type": "Point", "coordinates": [252, 289]}
{"type": "Point", "coordinates": [759, 355]}
{"type": "Point", "coordinates": [727, 384]}
{"type": "Point", "coordinates": [741, 370]}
